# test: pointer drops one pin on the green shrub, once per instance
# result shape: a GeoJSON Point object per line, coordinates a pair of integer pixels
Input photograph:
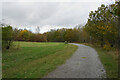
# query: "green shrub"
{"type": "Point", "coordinates": [66, 42]}
{"type": "Point", "coordinates": [107, 46]}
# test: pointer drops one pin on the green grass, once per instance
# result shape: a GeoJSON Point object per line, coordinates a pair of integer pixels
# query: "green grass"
{"type": "Point", "coordinates": [0, 53]}
{"type": "Point", "coordinates": [35, 60]}
{"type": "Point", "coordinates": [109, 60]}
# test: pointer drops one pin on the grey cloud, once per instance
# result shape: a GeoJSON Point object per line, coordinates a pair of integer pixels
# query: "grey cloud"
{"type": "Point", "coordinates": [47, 13]}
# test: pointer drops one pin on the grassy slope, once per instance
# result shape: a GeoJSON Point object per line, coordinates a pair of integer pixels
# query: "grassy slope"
{"type": "Point", "coordinates": [35, 60]}
{"type": "Point", "coordinates": [109, 60]}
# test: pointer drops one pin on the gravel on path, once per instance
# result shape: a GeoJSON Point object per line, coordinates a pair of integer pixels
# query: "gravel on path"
{"type": "Point", "coordinates": [84, 63]}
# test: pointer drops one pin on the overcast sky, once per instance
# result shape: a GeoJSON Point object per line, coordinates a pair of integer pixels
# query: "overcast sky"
{"type": "Point", "coordinates": [47, 15]}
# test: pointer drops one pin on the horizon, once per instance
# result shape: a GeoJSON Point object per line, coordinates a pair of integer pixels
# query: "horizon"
{"type": "Point", "coordinates": [47, 15]}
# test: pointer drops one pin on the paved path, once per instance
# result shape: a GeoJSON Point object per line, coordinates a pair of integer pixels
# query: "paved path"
{"type": "Point", "coordinates": [84, 63]}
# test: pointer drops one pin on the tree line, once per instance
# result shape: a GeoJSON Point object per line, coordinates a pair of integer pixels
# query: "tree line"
{"type": "Point", "coordinates": [101, 28]}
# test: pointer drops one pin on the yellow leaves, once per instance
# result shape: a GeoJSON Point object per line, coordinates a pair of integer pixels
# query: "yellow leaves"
{"type": "Point", "coordinates": [23, 34]}
{"type": "Point", "coordinates": [105, 29]}
{"type": "Point", "coordinates": [23, 31]}
{"type": "Point", "coordinates": [107, 46]}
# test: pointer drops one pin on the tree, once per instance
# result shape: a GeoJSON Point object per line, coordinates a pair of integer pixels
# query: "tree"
{"type": "Point", "coordinates": [0, 38]}
{"type": "Point", "coordinates": [15, 34]}
{"type": "Point", "coordinates": [69, 35]}
{"type": "Point", "coordinates": [101, 24]}
{"type": "Point", "coordinates": [24, 35]}
{"type": "Point", "coordinates": [37, 29]}
{"type": "Point", "coordinates": [115, 10]}
{"type": "Point", "coordinates": [7, 37]}
{"type": "Point", "coordinates": [118, 13]}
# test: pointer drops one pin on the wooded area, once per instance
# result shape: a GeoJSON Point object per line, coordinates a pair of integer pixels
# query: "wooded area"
{"type": "Point", "coordinates": [102, 28]}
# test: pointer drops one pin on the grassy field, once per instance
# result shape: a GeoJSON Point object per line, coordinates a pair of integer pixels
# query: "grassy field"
{"type": "Point", "coordinates": [34, 60]}
{"type": "Point", "coordinates": [109, 60]}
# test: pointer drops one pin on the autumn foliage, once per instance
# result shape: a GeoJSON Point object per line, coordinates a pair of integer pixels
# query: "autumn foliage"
{"type": "Point", "coordinates": [101, 28]}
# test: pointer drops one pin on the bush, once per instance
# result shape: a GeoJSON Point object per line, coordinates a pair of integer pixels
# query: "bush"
{"type": "Point", "coordinates": [107, 47]}
{"type": "Point", "coordinates": [66, 42]}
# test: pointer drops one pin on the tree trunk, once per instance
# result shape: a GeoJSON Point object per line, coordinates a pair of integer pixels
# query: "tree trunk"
{"type": "Point", "coordinates": [119, 36]}
{"type": "Point", "coordinates": [102, 42]}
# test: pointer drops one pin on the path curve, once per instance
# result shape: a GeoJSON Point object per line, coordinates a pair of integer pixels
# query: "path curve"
{"type": "Point", "coordinates": [85, 63]}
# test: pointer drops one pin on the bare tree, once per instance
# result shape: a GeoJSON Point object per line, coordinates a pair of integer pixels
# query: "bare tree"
{"type": "Point", "coordinates": [37, 29]}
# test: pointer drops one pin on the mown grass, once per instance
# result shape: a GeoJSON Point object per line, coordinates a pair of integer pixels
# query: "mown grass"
{"type": "Point", "coordinates": [109, 60]}
{"type": "Point", "coordinates": [34, 60]}
{"type": "Point", "coordinates": [0, 64]}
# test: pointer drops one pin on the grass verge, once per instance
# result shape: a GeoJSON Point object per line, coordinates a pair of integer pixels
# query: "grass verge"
{"type": "Point", "coordinates": [35, 60]}
{"type": "Point", "coordinates": [109, 60]}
